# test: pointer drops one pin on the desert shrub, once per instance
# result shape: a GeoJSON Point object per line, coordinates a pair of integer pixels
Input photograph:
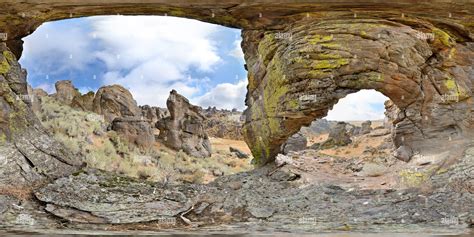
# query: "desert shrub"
{"type": "Point", "coordinates": [84, 133]}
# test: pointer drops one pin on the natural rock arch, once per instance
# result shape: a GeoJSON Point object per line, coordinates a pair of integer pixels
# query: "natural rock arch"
{"type": "Point", "coordinates": [298, 78]}
{"type": "Point", "coordinates": [336, 48]}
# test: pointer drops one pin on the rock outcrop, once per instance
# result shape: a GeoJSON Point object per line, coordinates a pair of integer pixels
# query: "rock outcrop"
{"type": "Point", "coordinates": [425, 69]}
{"type": "Point", "coordinates": [338, 136]}
{"type": "Point", "coordinates": [134, 130]}
{"type": "Point", "coordinates": [35, 96]}
{"type": "Point", "coordinates": [318, 206]}
{"type": "Point", "coordinates": [223, 123]}
{"type": "Point", "coordinates": [183, 129]}
{"type": "Point", "coordinates": [84, 102]}
{"type": "Point", "coordinates": [153, 114]}
{"type": "Point", "coordinates": [65, 92]}
{"type": "Point", "coordinates": [28, 155]}
{"type": "Point", "coordinates": [366, 127]}
{"type": "Point", "coordinates": [304, 56]}
{"type": "Point", "coordinates": [115, 101]}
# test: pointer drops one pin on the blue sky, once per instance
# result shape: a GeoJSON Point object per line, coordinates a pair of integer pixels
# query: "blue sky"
{"type": "Point", "coordinates": [150, 55]}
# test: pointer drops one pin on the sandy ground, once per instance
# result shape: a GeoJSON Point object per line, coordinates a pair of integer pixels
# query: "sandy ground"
{"type": "Point", "coordinates": [353, 150]}
{"type": "Point", "coordinates": [223, 144]}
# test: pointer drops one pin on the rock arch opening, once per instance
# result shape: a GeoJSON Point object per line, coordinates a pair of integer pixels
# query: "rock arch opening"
{"type": "Point", "coordinates": [115, 84]}
{"type": "Point", "coordinates": [354, 115]}
{"type": "Point", "coordinates": [293, 80]}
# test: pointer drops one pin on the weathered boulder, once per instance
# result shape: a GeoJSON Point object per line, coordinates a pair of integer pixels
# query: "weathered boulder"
{"type": "Point", "coordinates": [134, 130]}
{"type": "Point", "coordinates": [65, 92]}
{"type": "Point", "coordinates": [403, 153]}
{"type": "Point", "coordinates": [240, 154]}
{"type": "Point", "coordinates": [366, 127]}
{"type": "Point", "coordinates": [183, 129]}
{"type": "Point", "coordinates": [338, 136]}
{"type": "Point", "coordinates": [297, 142]}
{"type": "Point", "coordinates": [115, 101]}
{"type": "Point", "coordinates": [84, 102]}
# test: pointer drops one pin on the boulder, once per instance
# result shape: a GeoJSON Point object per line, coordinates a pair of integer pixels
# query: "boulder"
{"type": "Point", "coordinates": [337, 137]}
{"type": "Point", "coordinates": [297, 142]}
{"type": "Point", "coordinates": [240, 154]}
{"type": "Point", "coordinates": [115, 101]}
{"type": "Point", "coordinates": [35, 96]}
{"type": "Point", "coordinates": [183, 129]}
{"type": "Point", "coordinates": [134, 130]}
{"type": "Point", "coordinates": [65, 92]}
{"type": "Point", "coordinates": [366, 127]}
{"type": "Point", "coordinates": [403, 153]}
{"type": "Point", "coordinates": [84, 102]}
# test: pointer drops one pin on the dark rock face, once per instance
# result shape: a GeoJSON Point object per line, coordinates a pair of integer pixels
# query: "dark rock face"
{"type": "Point", "coordinates": [84, 102]}
{"type": "Point", "coordinates": [135, 130]}
{"type": "Point", "coordinates": [297, 142]}
{"type": "Point", "coordinates": [115, 101]}
{"type": "Point", "coordinates": [183, 129]}
{"type": "Point", "coordinates": [65, 92]}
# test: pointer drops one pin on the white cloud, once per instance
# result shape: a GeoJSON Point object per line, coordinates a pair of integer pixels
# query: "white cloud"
{"type": "Point", "coordinates": [363, 105]}
{"type": "Point", "coordinates": [152, 55]}
{"type": "Point", "coordinates": [52, 50]}
{"type": "Point", "coordinates": [237, 52]}
{"type": "Point", "coordinates": [225, 95]}
{"type": "Point", "coordinates": [49, 88]}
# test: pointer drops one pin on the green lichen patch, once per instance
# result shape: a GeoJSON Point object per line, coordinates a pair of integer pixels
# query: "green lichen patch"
{"type": "Point", "coordinates": [413, 178]}
{"type": "Point", "coordinates": [444, 37]}
{"type": "Point", "coordinates": [317, 39]}
{"type": "Point", "coordinates": [329, 64]}
{"type": "Point", "coordinates": [4, 65]}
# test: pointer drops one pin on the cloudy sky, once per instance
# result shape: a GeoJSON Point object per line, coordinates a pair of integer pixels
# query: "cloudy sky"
{"type": "Point", "coordinates": [150, 55]}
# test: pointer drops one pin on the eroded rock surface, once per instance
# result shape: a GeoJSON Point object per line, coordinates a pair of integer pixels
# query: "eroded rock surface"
{"type": "Point", "coordinates": [153, 114]}
{"type": "Point", "coordinates": [84, 102]}
{"type": "Point", "coordinates": [183, 129]}
{"type": "Point", "coordinates": [424, 69]}
{"type": "Point", "coordinates": [301, 57]}
{"type": "Point", "coordinates": [65, 92]}
{"type": "Point", "coordinates": [28, 155]}
{"type": "Point", "coordinates": [115, 101]}
{"type": "Point", "coordinates": [297, 202]}
{"type": "Point", "coordinates": [134, 130]}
